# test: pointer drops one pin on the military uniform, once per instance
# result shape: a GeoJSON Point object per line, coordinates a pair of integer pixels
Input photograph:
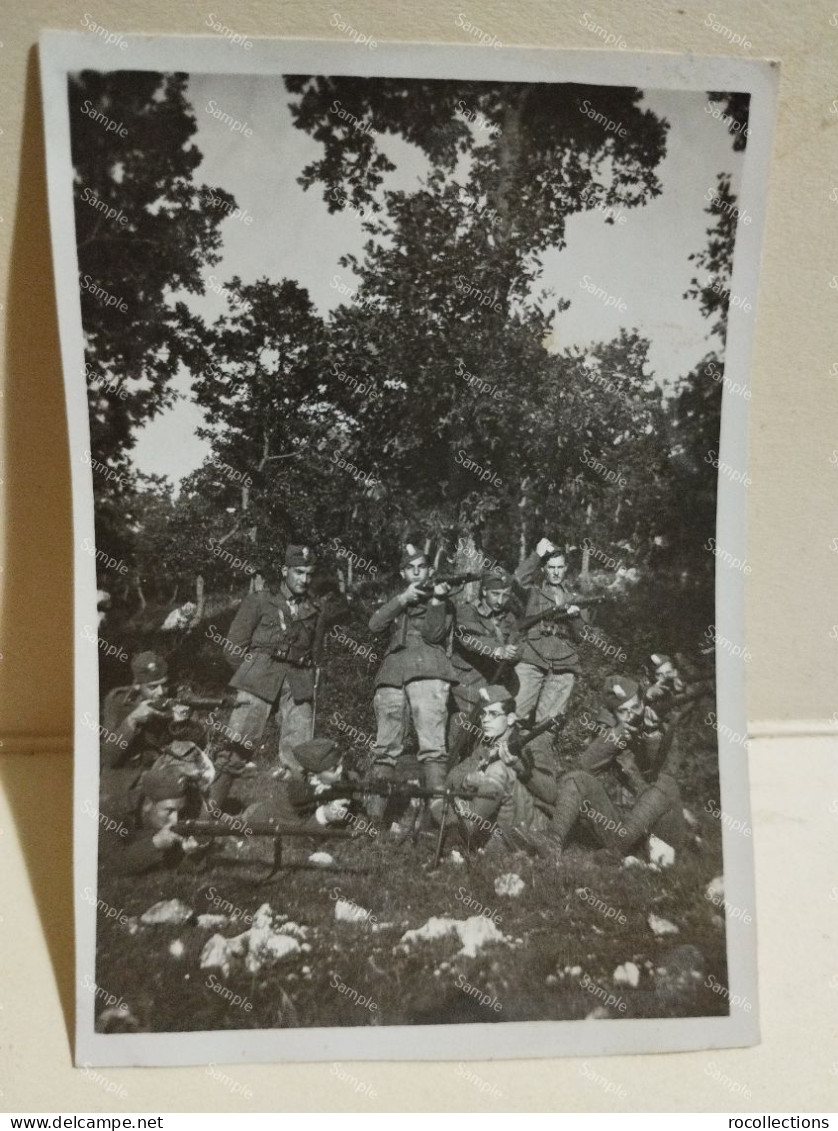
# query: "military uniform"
{"type": "Point", "coordinates": [276, 633]}
{"type": "Point", "coordinates": [481, 631]}
{"type": "Point", "coordinates": [129, 746]}
{"type": "Point", "coordinates": [298, 799]}
{"type": "Point", "coordinates": [549, 661]}
{"type": "Point", "coordinates": [139, 854]}
{"type": "Point", "coordinates": [415, 675]}
{"type": "Point", "coordinates": [516, 786]}
{"type": "Point", "coordinates": [644, 759]}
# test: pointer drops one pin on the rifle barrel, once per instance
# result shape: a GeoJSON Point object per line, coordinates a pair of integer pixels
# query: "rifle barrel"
{"type": "Point", "coordinates": [258, 828]}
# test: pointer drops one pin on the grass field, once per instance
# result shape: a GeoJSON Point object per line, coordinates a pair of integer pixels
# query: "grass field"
{"type": "Point", "coordinates": [575, 922]}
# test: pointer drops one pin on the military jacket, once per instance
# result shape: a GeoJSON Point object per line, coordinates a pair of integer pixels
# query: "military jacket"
{"type": "Point", "coordinates": [271, 640]}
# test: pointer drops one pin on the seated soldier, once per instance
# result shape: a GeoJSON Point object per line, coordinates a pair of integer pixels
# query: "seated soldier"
{"type": "Point", "coordinates": [162, 798]}
{"type": "Point", "coordinates": [515, 784]}
{"type": "Point", "coordinates": [582, 799]}
{"type": "Point", "coordinates": [669, 696]}
{"type": "Point", "coordinates": [640, 753]}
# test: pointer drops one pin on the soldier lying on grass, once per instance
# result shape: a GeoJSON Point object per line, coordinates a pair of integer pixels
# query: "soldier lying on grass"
{"type": "Point", "coordinates": [163, 795]}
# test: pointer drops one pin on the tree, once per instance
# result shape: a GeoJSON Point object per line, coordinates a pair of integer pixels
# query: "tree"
{"type": "Point", "coordinates": [448, 279]}
{"type": "Point", "coordinates": [144, 230]}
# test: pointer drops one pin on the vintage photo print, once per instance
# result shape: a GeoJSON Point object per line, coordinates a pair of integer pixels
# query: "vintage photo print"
{"type": "Point", "coordinates": [407, 391]}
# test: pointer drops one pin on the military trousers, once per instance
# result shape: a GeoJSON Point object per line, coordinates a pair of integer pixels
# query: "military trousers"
{"type": "Point", "coordinates": [542, 691]}
{"type": "Point", "coordinates": [582, 797]}
{"type": "Point", "coordinates": [295, 721]}
{"type": "Point", "coordinates": [423, 700]}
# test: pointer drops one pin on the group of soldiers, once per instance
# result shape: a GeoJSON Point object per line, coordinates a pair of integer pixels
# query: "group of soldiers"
{"type": "Point", "coordinates": [486, 686]}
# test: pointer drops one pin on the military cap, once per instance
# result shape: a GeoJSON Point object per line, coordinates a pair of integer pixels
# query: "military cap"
{"type": "Point", "coordinates": [299, 556]}
{"type": "Point", "coordinates": [316, 755]}
{"type": "Point", "coordinates": [494, 693]}
{"type": "Point", "coordinates": [496, 578]}
{"type": "Point", "coordinates": [557, 552]}
{"type": "Point", "coordinates": [163, 783]}
{"type": "Point", "coordinates": [659, 659]}
{"type": "Point", "coordinates": [148, 667]}
{"type": "Point", "coordinates": [411, 553]}
{"type": "Point", "coordinates": [619, 689]}
{"type": "Point", "coordinates": [182, 749]}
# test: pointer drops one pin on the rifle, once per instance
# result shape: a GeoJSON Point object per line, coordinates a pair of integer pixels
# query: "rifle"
{"type": "Point", "coordinates": [559, 612]}
{"type": "Point", "coordinates": [455, 580]}
{"type": "Point", "coordinates": [277, 830]}
{"type": "Point", "coordinates": [404, 791]}
{"type": "Point", "coordinates": [525, 737]}
{"type": "Point", "coordinates": [427, 588]}
{"type": "Point", "coordinates": [272, 828]}
{"type": "Point", "coordinates": [555, 612]}
{"type": "Point", "coordinates": [166, 706]}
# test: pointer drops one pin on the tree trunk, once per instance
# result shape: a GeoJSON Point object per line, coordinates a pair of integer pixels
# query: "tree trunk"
{"type": "Point", "coordinates": [586, 553]}
{"type": "Point", "coordinates": [199, 601]}
{"type": "Point", "coordinates": [524, 508]}
{"type": "Point", "coordinates": [467, 558]}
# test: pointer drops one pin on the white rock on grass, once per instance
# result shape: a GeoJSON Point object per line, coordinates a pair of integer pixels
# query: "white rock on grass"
{"type": "Point", "coordinates": [266, 943]}
{"type": "Point", "coordinates": [660, 852]}
{"type": "Point", "coordinates": [219, 953]}
{"type": "Point", "coordinates": [661, 926]}
{"type": "Point", "coordinates": [509, 884]}
{"type": "Point", "coordinates": [627, 975]}
{"type": "Point", "coordinates": [716, 889]}
{"type": "Point", "coordinates": [294, 929]}
{"type": "Point", "coordinates": [212, 922]}
{"type": "Point", "coordinates": [632, 862]}
{"type": "Point", "coordinates": [323, 859]}
{"type": "Point", "coordinates": [346, 912]}
{"type": "Point", "coordinates": [168, 911]}
{"type": "Point", "coordinates": [474, 933]}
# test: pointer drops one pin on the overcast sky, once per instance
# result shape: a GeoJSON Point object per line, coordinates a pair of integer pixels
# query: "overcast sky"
{"type": "Point", "coordinates": [643, 261]}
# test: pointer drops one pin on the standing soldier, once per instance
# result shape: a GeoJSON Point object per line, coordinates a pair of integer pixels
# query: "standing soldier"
{"type": "Point", "coordinates": [483, 654]}
{"type": "Point", "coordinates": [549, 660]}
{"type": "Point", "coordinates": [415, 675]}
{"type": "Point", "coordinates": [276, 631]}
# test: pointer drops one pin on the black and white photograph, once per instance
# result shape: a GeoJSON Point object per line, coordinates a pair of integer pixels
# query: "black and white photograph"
{"type": "Point", "coordinates": [407, 399]}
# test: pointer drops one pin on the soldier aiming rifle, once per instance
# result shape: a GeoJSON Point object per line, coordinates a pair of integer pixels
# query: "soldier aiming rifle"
{"type": "Point", "coordinates": [415, 675]}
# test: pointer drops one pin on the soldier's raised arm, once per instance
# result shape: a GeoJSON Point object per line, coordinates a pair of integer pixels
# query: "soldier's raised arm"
{"type": "Point", "coordinates": [382, 618]}
{"type": "Point", "coordinates": [526, 571]}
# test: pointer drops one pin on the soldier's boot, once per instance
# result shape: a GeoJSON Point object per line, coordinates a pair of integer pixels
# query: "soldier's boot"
{"type": "Point", "coordinates": [219, 791]}
{"type": "Point", "coordinates": [658, 810]}
{"type": "Point", "coordinates": [435, 773]}
{"type": "Point", "coordinates": [375, 805]}
{"type": "Point", "coordinates": [572, 792]}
